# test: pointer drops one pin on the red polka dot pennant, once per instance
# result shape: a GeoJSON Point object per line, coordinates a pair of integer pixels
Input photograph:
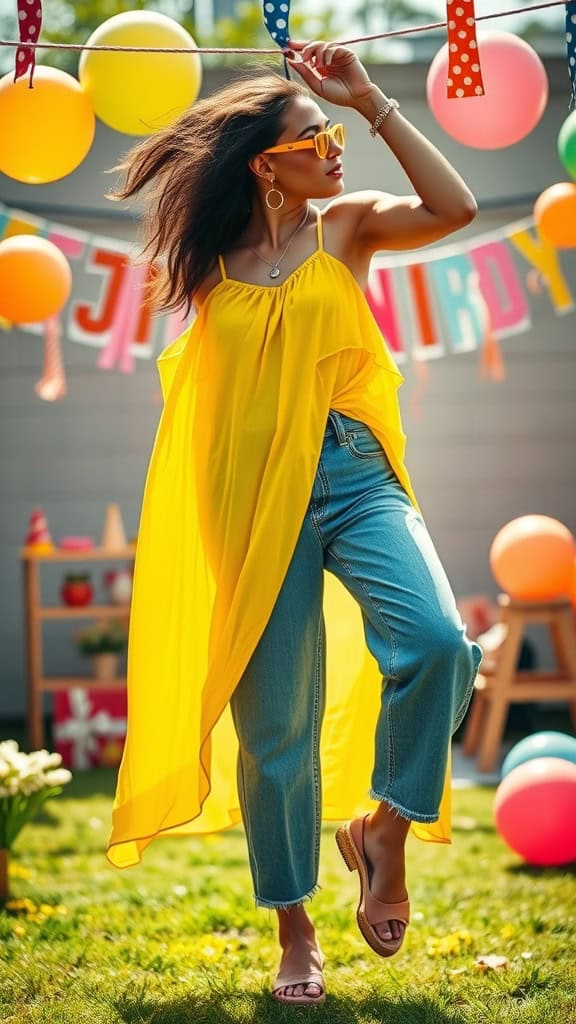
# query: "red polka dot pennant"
{"type": "Point", "coordinates": [464, 72]}
{"type": "Point", "coordinates": [29, 25]}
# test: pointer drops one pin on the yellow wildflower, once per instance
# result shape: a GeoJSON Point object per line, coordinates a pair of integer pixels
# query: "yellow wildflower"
{"type": "Point", "coordinates": [16, 870]}
{"type": "Point", "coordinates": [24, 906]}
{"type": "Point", "coordinates": [452, 944]}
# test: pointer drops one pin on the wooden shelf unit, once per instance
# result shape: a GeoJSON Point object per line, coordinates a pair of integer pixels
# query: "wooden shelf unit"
{"type": "Point", "coordinates": [35, 613]}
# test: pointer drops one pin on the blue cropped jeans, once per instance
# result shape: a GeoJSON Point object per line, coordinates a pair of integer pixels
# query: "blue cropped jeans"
{"type": "Point", "coordinates": [361, 526]}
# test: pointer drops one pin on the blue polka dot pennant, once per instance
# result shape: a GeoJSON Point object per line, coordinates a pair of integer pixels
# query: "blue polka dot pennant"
{"type": "Point", "coordinates": [571, 46]}
{"type": "Point", "coordinates": [276, 14]}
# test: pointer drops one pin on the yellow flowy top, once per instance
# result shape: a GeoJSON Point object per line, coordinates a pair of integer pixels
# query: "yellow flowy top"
{"type": "Point", "coordinates": [247, 391]}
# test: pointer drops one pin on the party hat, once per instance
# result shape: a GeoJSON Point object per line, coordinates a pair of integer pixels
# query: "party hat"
{"type": "Point", "coordinates": [113, 535]}
{"type": "Point", "coordinates": [38, 536]}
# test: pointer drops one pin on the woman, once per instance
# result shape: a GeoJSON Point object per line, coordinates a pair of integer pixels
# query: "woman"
{"type": "Point", "coordinates": [280, 455]}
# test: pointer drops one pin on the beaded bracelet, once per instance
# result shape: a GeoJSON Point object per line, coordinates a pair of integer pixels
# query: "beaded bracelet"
{"type": "Point", "coordinates": [382, 115]}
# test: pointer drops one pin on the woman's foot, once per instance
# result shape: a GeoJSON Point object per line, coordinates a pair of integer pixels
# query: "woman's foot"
{"type": "Point", "coordinates": [299, 978]}
{"type": "Point", "coordinates": [374, 847]}
{"type": "Point", "coordinates": [385, 835]}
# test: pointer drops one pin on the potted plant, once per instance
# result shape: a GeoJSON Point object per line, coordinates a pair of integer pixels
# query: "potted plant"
{"type": "Point", "coordinates": [103, 642]}
{"type": "Point", "coordinates": [26, 781]}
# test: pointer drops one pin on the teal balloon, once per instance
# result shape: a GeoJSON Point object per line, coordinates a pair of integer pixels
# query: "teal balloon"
{"type": "Point", "coordinates": [567, 144]}
{"type": "Point", "coordinates": [540, 744]}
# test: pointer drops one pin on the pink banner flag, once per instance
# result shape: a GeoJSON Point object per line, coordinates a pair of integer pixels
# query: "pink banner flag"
{"type": "Point", "coordinates": [118, 351]}
{"type": "Point", "coordinates": [380, 296]}
{"type": "Point", "coordinates": [52, 384]}
{"type": "Point", "coordinates": [501, 287]}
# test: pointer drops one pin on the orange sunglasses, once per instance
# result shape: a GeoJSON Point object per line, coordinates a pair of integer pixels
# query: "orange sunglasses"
{"type": "Point", "coordinates": [320, 142]}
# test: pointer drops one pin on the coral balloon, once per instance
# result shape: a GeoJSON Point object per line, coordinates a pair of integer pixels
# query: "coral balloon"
{"type": "Point", "coordinates": [535, 811]}
{"type": "Point", "coordinates": [532, 558]}
{"type": "Point", "coordinates": [140, 93]}
{"type": "Point", "coordinates": [567, 144]}
{"type": "Point", "coordinates": [515, 93]}
{"type": "Point", "coordinates": [35, 279]}
{"type": "Point", "coordinates": [45, 132]}
{"type": "Point", "coordinates": [555, 214]}
{"type": "Point", "coordinates": [540, 744]}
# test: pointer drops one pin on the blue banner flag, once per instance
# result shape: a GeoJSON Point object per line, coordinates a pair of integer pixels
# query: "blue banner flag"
{"type": "Point", "coordinates": [571, 46]}
{"type": "Point", "coordinates": [276, 14]}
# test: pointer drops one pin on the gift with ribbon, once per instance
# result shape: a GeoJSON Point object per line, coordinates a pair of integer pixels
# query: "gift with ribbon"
{"type": "Point", "coordinates": [89, 726]}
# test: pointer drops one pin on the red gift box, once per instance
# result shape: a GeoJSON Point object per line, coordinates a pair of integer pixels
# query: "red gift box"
{"type": "Point", "coordinates": [89, 727]}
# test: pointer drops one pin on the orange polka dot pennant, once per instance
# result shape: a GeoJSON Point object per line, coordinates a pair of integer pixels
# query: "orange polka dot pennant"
{"type": "Point", "coordinates": [29, 25]}
{"type": "Point", "coordinates": [464, 72]}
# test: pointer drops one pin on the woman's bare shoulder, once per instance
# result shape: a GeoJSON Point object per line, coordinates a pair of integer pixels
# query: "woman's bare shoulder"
{"type": "Point", "coordinates": [340, 221]}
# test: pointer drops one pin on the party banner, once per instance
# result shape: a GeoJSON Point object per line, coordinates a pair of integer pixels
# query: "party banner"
{"type": "Point", "coordinates": [446, 300]}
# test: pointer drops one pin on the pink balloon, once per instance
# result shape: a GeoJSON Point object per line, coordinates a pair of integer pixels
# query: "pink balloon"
{"type": "Point", "coordinates": [535, 810]}
{"type": "Point", "coordinates": [515, 87]}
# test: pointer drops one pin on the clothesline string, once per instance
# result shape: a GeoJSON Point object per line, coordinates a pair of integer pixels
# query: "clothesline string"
{"type": "Point", "coordinates": [245, 50]}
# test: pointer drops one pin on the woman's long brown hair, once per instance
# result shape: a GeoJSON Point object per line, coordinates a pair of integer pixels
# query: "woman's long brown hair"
{"type": "Point", "coordinates": [201, 188]}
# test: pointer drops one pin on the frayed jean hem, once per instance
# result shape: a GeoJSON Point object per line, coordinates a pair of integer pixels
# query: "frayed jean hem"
{"type": "Point", "coordinates": [403, 812]}
{"type": "Point", "coordinates": [272, 905]}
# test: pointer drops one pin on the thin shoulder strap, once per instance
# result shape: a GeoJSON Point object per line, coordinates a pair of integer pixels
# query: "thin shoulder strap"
{"type": "Point", "coordinates": [222, 267]}
{"type": "Point", "coordinates": [319, 231]}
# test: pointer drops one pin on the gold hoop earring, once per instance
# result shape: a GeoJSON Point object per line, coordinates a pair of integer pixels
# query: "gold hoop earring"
{"type": "Point", "coordinates": [269, 193]}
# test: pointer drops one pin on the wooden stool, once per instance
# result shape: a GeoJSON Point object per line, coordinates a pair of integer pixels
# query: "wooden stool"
{"type": "Point", "coordinates": [500, 684]}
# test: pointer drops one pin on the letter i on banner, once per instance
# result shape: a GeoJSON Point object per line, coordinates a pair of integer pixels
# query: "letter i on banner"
{"type": "Point", "coordinates": [427, 344]}
{"type": "Point", "coordinates": [29, 24]}
{"type": "Point", "coordinates": [464, 71]}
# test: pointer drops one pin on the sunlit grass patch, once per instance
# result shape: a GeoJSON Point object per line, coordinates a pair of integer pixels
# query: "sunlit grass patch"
{"type": "Point", "coordinates": [179, 939]}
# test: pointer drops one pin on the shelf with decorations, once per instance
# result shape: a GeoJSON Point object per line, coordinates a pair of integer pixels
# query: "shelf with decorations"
{"type": "Point", "coordinates": [109, 616]}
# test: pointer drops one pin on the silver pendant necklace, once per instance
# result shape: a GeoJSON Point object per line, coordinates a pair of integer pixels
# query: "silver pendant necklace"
{"type": "Point", "coordinates": [275, 271]}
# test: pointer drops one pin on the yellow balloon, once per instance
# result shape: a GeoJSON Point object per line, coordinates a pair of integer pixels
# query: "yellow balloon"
{"type": "Point", "coordinates": [46, 131]}
{"type": "Point", "coordinates": [140, 93]}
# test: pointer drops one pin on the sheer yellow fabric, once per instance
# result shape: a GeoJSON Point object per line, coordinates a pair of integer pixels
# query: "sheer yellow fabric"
{"type": "Point", "coordinates": [247, 391]}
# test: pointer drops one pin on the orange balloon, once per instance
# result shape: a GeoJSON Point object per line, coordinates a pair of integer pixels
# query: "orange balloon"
{"type": "Point", "coordinates": [573, 587]}
{"type": "Point", "coordinates": [46, 131]}
{"type": "Point", "coordinates": [35, 279]}
{"type": "Point", "coordinates": [555, 214]}
{"type": "Point", "coordinates": [532, 558]}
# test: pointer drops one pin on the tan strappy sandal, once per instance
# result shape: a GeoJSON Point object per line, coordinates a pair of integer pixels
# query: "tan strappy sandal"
{"type": "Point", "coordinates": [290, 977]}
{"type": "Point", "coordinates": [371, 912]}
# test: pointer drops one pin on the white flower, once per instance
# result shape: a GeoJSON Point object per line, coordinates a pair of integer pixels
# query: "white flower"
{"type": "Point", "coordinates": [58, 777]}
{"type": "Point", "coordinates": [29, 773]}
{"type": "Point", "coordinates": [23, 775]}
{"type": "Point", "coordinates": [7, 745]}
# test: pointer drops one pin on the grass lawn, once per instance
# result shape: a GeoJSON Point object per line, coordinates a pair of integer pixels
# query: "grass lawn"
{"type": "Point", "coordinates": [178, 939]}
